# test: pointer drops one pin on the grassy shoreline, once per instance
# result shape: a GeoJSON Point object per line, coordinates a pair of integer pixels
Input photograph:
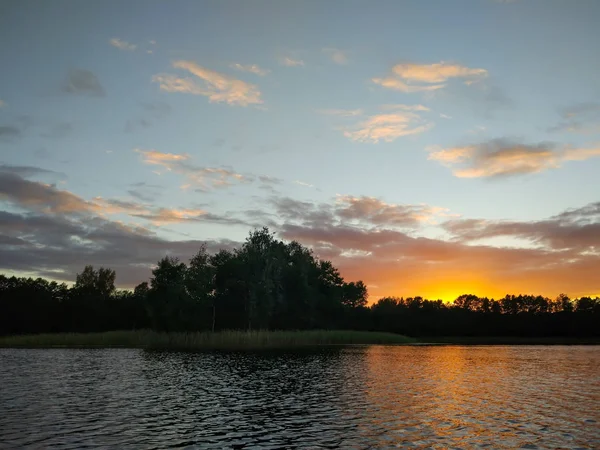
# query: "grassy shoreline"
{"type": "Point", "coordinates": [254, 340]}
{"type": "Point", "coordinates": [223, 340]}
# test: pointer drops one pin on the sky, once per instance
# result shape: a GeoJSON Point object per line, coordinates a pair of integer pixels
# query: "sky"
{"type": "Point", "coordinates": [428, 148]}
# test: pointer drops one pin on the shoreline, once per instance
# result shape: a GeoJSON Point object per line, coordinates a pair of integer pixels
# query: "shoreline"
{"type": "Point", "coordinates": [222, 340]}
{"type": "Point", "coordinates": [257, 340]}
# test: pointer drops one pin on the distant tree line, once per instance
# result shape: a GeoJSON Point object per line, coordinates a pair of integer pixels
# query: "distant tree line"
{"type": "Point", "coordinates": [270, 284]}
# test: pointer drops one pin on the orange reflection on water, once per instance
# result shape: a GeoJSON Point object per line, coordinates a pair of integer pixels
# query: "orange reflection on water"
{"type": "Point", "coordinates": [423, 396]}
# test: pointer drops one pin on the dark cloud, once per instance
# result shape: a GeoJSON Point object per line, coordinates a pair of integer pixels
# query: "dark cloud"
{"type": "Point", "coordinates": [38, 196]}
{"type": "Point", "coordinates": [145, 192]}
{"type": "Point", "coordinates": [269, 180]}
{"type": "Point", "coordinates": [58, 247]}
{"type": "Point", "coordinates": [141, 196]}
{"type": "Point", "coordinates": [575, 229]}
{"type": "Point", "coordinates": [363, 210]}
{"type": "Point", "coordinates": [132, 125]}
{"type": "Point", "coordinates": [157, 109]}
{"type": "Point", "coordinates": [58, 131]}
{"type": "Point", "coordinates": [84, 82]}
{"type": "Point", "coordinates": [484, 99]}
{"type": "Point", "coordinates": [167, 215]}
{"type": "Point", "coordinates": [364, 237]}
{"type": "Point", "coordinates": [28, 171]}
{"type": "Point", "coordinates": [395, 262]}
{"type": "Point", "coordinates": [9, 132]}
{"type": "Point", "coordinates": [152, 112]}
{"type": "Point", "coordinates": [578, 118]}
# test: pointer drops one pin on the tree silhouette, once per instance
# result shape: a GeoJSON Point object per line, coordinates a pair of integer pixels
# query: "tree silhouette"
{"type": "Point", "coordinates": [270, 284]}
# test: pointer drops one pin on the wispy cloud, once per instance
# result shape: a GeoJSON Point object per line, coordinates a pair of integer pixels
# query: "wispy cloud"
{"type": "Point", "coordinates": [574, 229]}
{"type": "Point", "coordinates": [302, 183]}
{"type": "Point", "coordinates": [252, 68]}
{"type": "Point", "coordinates": [581, 118]}
{"type": "Point", "coordinates": [219, 88]}
{"type": "Point", "coordinates": [372, 210]}
{"type": "Point", "coordinates": [2, 103]}
{"type": "Point", "coordinates": [409, 77]}
{"type": "Point", "coordinates": [342, 112]}
{"type": "Point", "coordinates": [337, 56]}
{"type": "Point", "coordinates": [290, 62]}
{"type": "Point", "coordinates": [501, 157]}
{"type": "Point", "coordinates": [83, 82]}
{"type": "Point", "coordinates": [387, 127]}
{"type": "Point", "coordinates": [402, 107]}
{"type": "Point", "coordinates": [203, 178]}
{"type": "Point", "coordinates": [9, 132]}
{"type": "Point", "coordinates": [122, 45]}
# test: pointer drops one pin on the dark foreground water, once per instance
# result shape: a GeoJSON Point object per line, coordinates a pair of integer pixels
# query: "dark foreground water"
{"type": "Point", "coordinates": [360, 397]}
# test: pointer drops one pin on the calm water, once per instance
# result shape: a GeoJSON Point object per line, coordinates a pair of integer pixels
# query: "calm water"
{"type": "Point", "coordinates": [360, 397]}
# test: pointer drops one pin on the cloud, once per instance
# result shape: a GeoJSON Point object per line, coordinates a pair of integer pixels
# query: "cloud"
{"type": "Point", "coordinates": [83, 82]}
{"type": "Point", "coordinates": [359, 236]}
{"type": "Point", "coordinates": [153, 111]}
{"type": "Point", "coordinates": [252, 68]}
{"type": "Point", "coordinates": [9, 132]}
{"type": "Point", "coordinates": [291, 62]}
{"type": "Point", "coordinates": [122, 45]}
{"type": "Point", "coordinates": [399, 264]}
{"type": "Point", "coordinates": [167, 215]}
{"type": "Point", "coordinates": [398, 85]}
{"type": "Point", "coordinates": [156, 109]}
{"type": "Point", "coordinates": [581, 118]}
{"type": "Point", "coordinates": [28, 171]}
{"type": "Point", "coordinates": [269, 180]}
{"type": "Point", "coordinates": [374, 211]}
{"type": "Point", "coordinates": [145, 192]}
{"type": "Point", "coordinates": [2, 103]}
{"type": "Point", "coordinates": [59, 246]}
{"type": "Point", "coordinates": [501, 158]}
{"type": "Point", "coordinates": [58, 131]}
{"type": "Point", "coordinates": [337, 56]}
{"type": "Point", "coordinates": [163, 216]}
{"type": "Point", "coordinates": [302, 183]}
{"type": "Point", "coordinates": [361, 211]}
{"type": "Point", "coordinates": [342, 112]}
{"type": "Point", "coordinates": [387, 127]}
{"type": "Point", "coordinates": [435, 73]}
{"type": "Point", "coordinates": [403, 107]}
{"type": "Point", "coordinates": [575, 229]}
{"type": "Point", "coordinates": [204, 178]}
{"type": "Point", "coordinates": [366, 237]}
{"type": "Point", "coordinates": [219, 88]}
{"type": "Point", "coordinates": [38, 196]}
{"type": "Point", "coordinates": [41, 197]}
{"type": "Point", "coordinates": [429, 77]}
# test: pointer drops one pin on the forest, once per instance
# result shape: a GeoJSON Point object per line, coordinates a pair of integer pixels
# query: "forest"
{"type": "Point", "coordinates": [268, 284]}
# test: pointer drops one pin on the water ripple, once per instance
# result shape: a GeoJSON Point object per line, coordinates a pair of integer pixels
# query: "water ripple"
{"type": "Point", "coordinates": [359, 397]}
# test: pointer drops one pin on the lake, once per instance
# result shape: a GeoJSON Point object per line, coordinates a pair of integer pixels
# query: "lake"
{"type": "Point", "coordinates": [459, 397]}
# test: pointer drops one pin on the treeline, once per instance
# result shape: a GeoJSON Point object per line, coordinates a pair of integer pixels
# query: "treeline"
{"type": "Point", "coordinates": [270, 284]}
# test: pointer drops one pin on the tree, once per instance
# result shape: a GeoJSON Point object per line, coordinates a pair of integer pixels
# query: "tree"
{"type": "Point", "coordinates": [168, 301]}
{"type": "Point", "coordinates": [100, 282]}
{"type": "Point", "coordinates": [354, 294]}
{"type": "Point", "coordinates": [199, 282]}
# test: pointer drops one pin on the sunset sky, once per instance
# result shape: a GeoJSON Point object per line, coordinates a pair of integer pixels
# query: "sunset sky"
{"type": "Point", "coordinates": [428, 148]}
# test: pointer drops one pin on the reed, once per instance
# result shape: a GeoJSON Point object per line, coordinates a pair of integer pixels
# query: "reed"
{"type": "Point", "coordinates": [222, 340]}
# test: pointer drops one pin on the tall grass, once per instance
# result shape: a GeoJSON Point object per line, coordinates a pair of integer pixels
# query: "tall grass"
{"type": "Point", "coordinates": [223, 340]}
